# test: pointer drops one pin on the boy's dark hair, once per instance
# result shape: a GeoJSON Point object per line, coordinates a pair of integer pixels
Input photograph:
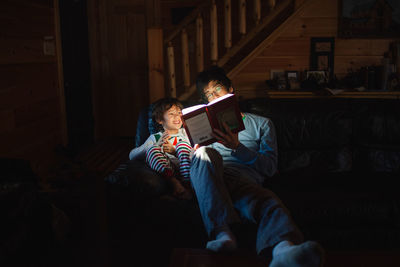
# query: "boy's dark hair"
{"type": "Point", "coordinates": [214, 73]}
{"type": "Point", "coordinates": [162, 105]}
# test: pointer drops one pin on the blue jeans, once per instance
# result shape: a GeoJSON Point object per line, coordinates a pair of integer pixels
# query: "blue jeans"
{"type": "Point", "coordinates": [226, 195]}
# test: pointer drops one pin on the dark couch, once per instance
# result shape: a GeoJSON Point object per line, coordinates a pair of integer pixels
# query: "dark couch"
{"type": "Point", "coordinates": [339, 164]}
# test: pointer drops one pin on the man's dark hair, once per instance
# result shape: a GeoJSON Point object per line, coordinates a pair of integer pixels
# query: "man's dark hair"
{"type": "Point", "coordinates": [162, 105]}
{"type": "Point", "coordinates": [214, 73]}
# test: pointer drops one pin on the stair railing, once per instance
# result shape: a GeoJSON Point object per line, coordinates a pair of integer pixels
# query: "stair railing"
{"type": "Point", "coordinates": [194, 24]}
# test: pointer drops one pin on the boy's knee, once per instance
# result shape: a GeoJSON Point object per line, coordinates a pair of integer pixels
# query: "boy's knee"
{"type": "Point", "coordinates": [183, 147]}
{"type": "Point", "coordinates": [153, 152]}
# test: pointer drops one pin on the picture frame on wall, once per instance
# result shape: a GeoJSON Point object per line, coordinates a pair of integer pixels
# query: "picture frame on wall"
{"type": "Point", "coordinates": [369, 19]}
{"type": "Point", "coordinates": [278, 76]}
{"type": "Point", "coordinates": [322, 54]}
{"type": "Point", "coordinates": [319, 76]}
{"type": "Point", "coordinates": [292, 79]}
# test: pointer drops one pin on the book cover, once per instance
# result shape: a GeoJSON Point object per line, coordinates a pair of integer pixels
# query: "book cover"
{"type": "Point", "coordinates": [200, 120]}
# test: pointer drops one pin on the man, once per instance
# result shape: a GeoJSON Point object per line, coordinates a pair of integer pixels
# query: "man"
{"type": "Point", "coordinates": [227, 178]}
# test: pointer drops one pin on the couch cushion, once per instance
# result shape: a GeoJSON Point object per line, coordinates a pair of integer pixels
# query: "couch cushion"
{"type": "Point", "coordinates": [377, 159]}
{"type": "Point", "coordinates": [313, 161]}
{"type": "Point", "coordinates": [377, 123]}
{"type": "Point", "coordinates": [136, 176]}
{"type": "Point", "coordinates": [313, 135]}
{"type": "Point", "coordinates": [377, 135]}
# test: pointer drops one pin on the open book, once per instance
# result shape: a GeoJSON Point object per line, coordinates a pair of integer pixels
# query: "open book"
{"type": "Point", "coordinates": [200, 120]}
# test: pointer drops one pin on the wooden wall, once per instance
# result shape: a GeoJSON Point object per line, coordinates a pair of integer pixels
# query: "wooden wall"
{"type": "Point", "coordinates": [291, 51]}
{"type": "Point", "coordinates": [118, 52]}
{"type": "Point", "coordinates": [31, 124]}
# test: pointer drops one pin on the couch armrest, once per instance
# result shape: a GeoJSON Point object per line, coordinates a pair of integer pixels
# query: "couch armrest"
{"type": "Point", "coordinates": [138, 178]}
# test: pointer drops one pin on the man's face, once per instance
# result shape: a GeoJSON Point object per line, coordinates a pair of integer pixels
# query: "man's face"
{"type": "Point", "coordinates": [213, 90]}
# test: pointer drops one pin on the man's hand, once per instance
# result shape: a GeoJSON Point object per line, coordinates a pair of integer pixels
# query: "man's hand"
{"type": "Point", "coordinates": [228, 139]}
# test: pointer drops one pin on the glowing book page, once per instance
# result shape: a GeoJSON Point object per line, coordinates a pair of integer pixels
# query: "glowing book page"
{"type": "Point", "coordinates": [200, 128]}
{"type": "Point", "coordinates": [192, 108]}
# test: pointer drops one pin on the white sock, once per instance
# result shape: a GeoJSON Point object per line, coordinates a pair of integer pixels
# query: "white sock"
{"type": "Point", "coordinates": [281, 247]}
{"type": "Point", "coordinates": [224, 241]}
{"type": "Point", "coordinates": [307, 254]}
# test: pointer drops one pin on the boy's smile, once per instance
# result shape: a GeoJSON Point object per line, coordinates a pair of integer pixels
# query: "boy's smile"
{"type": "Point", "coordinates": [172, 121]}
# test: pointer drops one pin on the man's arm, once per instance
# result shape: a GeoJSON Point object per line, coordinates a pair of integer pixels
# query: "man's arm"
{"type": "Point", "coordinates": [265, 160]}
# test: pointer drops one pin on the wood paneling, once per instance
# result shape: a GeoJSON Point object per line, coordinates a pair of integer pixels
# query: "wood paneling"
{"type": "Point", "coordinates": [117, 41]}
{"type": "Point", "coordinates": [265, 64]}
{"type": "Point", "coordinates": [156, 64]}
{"type": "Point", "coordinates": [30, 125]}
{"type": "Point", "coordinates": [322, 9]}
{"type": "Point", "coordinates": [26, 135]}
{"type": "Point", "coordinates": [249, 81]}
{"type": "Point", "coordinates": [291, 51]}
{"type": "Point", "coordinates": [7, 121]}
{"type": "Point", "coordinates": [284, 47]}
{"type": "Point", "coordinates": [361, 47]}
{"type": "Point", "coordinates": [23, 84]}
{"type": "Point", "coordinates": [19, 51]}
{"type": "Point", "coordinates": [345, 63]}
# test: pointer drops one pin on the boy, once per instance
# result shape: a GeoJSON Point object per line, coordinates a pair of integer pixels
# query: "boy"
{"type": "Point", "coordinates": [169, 149]}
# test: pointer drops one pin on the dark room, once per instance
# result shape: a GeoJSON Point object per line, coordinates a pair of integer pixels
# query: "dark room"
{"type": "Point", "coordinates": [200, 133]}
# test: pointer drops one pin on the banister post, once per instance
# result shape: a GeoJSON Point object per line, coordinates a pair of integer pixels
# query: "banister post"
{"type": "Point", "coordinates": [242, 17]}
{"type": "Point", "coordinates": [185, 59]}
{"type": "Point", "coordinates": [271, 4]}
{"type": "Point", "coordinates": [228, 24]}
{"type": "Point", "coordinates": [171, 69]}
{"type": "Point", "coordinates": [214, 32]}
{"type": "Point", "coordinates": [257, 11]}
{"type": "Point", "coordinates": [199, 43]}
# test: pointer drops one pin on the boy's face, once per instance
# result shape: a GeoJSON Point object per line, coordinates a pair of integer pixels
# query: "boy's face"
{"type": "Point", "coordinates": [213, 90]}
{"type": "Point", "coordinates": [172, 119]}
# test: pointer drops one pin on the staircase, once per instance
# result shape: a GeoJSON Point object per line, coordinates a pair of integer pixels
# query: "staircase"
{"type": "Point", "coordinates": [227, 33]}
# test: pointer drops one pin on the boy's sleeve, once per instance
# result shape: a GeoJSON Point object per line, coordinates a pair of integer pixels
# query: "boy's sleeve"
{"type": "Point", "coordinates": [140, 152]}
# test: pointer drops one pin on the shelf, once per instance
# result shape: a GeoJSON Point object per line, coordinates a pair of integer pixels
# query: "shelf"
{"type": "Point", "coordinates": [345, 94]}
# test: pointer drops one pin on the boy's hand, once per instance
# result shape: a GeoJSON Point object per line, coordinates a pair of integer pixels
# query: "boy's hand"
{"type": "Point", "coordinates": [167, 146]}
{"type": "Point", "coordinates": [228, 139]}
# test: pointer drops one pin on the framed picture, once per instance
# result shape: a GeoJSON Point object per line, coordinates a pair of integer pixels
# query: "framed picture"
{"type": "Point", "coordinates": [369, 19]}
{"type": "Point", "coordinates": [292, 79]}
{"type": "Point", "coordinates": [319, 76]}
{"type": "Point", "coordinates": [322, 54]}
{"type": "Point", "coordinates": [278, 76]}
{"type": "Point", "coordinates": [393, 83]}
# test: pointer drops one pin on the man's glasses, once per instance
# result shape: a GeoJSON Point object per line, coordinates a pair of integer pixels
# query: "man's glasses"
{"type": "Point", "coordinates": [217, 90]}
